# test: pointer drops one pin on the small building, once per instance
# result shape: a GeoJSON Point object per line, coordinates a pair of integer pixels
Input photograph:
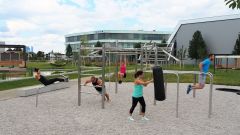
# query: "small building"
{"type": "Point", "coordinates": [13, 55]}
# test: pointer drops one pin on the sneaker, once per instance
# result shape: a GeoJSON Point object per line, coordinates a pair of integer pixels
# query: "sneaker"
{"type": "Point", "coordinates": [238, 93]}
{"type": "Point", "coordinates": [130, 118]}
{"type": "Point", "coordinates": [145, 118]}
{"type": "Point", "coordinates": [189, 89]}
{"type": "Point", "coordinates": [119, 82]}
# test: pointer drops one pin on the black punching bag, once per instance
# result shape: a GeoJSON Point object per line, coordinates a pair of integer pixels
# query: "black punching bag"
{"type": "Point", "coordinates": [159, 91]}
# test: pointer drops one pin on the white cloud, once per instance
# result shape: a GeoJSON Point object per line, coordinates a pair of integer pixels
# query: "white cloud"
{"type": "Point", "coordinates": [44, 23]}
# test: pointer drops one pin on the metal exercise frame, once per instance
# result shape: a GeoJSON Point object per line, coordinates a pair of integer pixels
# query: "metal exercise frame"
{"type": "Point", "coordinates": [177, 73]}
{"type": "Point", "coordinates": [117, 52]}
{"type": "Point", "coordinates": [80, 73]}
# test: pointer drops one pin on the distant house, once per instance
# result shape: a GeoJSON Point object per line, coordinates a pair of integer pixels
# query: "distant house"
{"type": "Point", "coordinates": [53, 56]}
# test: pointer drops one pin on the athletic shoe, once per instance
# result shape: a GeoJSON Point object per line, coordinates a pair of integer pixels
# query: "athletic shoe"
{"type": "Point", "coordinates": [130, 118]}
{"type": "Point", "coordinates": [189, 89]}
{"type": "Point", "coordinates": [238, 93]}
{"type": "Point", "coordinates": [145, 118]}
{"type": "Point", "coordinates": [119, 82]}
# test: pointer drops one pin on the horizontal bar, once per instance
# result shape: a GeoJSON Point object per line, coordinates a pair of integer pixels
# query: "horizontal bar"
{"type": "Point", "coordinates": [90, 86]}
{"type": "Point", "coordinates": [91, 74]}
{"type": "Point", "coordinates": [91, 56]}
{"type": "Point", "coordinates": [91, 67]}
{"type": "Point", "coordinates": [229, 56]}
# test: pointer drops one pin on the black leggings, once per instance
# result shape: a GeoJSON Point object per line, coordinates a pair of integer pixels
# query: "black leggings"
{"type": "Point", "coordinates": [134, 104]}
{"type": "Point", "coordinates": [51, 81]}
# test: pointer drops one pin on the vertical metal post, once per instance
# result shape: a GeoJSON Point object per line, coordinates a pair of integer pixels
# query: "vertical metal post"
{"type": "Point", "coordinates": [79, 76]}
{"type": "Point", "coordinates": [210, 96]}
{"type": "Point", "coordinates": [37, 97]}
{"type": "Point", "coordinates": [156, 55]}
{"type": "Point", "coordinates": [165, 85]}
{"type": "Point", "coordinates": [177, 105]}
{"type": "Point", "coordinates": [103, 75]}
{"type": "Point", "coordinates": [109, 65]}
{"type": "Point", "coordinates": [155, 64]}
{"type": "Point", "coordinates": [227, 65]}
{"type": "Point", "coordinates": [141, 60]}
{"type": "Point", "coordinates": [116, 72]}
{"type": "Point", "coordinates": [214, 64]}
{"type": "Point", "coordinates": [136, 62]}
{"type": "Point", "coordinates": [195, 81]}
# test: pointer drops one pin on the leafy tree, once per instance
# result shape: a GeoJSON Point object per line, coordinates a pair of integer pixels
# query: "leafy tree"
{"type": "Point", "coordinates": [40, 55]}
{"type": "Point", "coordinates": [163, 43]}
{"type": "Point", "coordinates": [197, 47]}
{"type": "Point", "coordinates": [137, 45]}
{"type": "Point", "coordinates": [17, 49]}
{"type": "Point", "coordinates": [69, 52]}
{"type": "Point", "coordinates": [99, 44]}
{"type": "Point", "coordinates": [32, 56]}
{"type": "Point", "coordinates": [9, 49]}
{"type": "Point", "coordinates": [236, 49]}
{"type": "Point", "coordinates": [233, 4]}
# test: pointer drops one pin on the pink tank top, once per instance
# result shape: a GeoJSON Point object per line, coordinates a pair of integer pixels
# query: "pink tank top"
{"type": "Point", "coordinates": [123, 68]}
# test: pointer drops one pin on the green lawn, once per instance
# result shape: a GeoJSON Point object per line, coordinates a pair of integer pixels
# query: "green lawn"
{"type": "Point", "coordinates": [46, 65]}
{"type": "Point", "coordinates": [232, 77]}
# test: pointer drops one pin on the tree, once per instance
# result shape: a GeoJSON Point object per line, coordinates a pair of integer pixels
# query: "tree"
{"type": "Point", "coordinates": [197, 47]}
{"type": "Point", "coordinates": [233, 4]}
{"type": "Point", "coordinates": [163, 43]}
{"type": "Point", "coordinates": [69, 52]}
{"type": "Point", "coordinates": [99, 44]}
{"type": "Point", "coordinates": [40, 55]}
{"type": "Point", "coordinates": [137, 45]}
{"type": "Point", "coordinates": [236, 49]}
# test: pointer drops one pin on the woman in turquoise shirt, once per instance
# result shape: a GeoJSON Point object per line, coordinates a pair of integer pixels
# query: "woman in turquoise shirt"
{"type": "Point", "coordinates": [137, 95]}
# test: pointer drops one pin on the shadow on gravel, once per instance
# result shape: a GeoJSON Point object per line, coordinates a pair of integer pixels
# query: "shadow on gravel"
{"type": "Point", "coordinates": [229, 90]}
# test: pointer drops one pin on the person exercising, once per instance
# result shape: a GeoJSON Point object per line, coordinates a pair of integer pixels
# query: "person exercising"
{"type": "Point", "coordinates": [123, 71]}
{"type": "Point", "coordinates": [137, 95]}
{"type": "Point", "coordinates": [204, 67]}
{"type": "Point", "coordinates": [97, 83]}
{"type": "Point", "coordinates": [46, 81]}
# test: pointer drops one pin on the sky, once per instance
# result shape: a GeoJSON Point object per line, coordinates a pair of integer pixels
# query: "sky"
{"type": "Point", "coordinates": [43, 23]}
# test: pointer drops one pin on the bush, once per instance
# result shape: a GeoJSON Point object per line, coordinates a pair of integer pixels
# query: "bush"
{"type": "Point", "coordinates": [59, 63]}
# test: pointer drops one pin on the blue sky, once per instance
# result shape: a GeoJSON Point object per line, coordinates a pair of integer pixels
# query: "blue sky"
{"type": "Point", "coordinates": [44, 23]}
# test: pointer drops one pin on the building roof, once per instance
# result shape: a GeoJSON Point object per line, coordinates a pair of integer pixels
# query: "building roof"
{"type": "Point", "coordinates": [12, 46]}
{"type": "Point", "coordinates": [120, 31]}
{"type": "Point", "coordinates": [202, 20]}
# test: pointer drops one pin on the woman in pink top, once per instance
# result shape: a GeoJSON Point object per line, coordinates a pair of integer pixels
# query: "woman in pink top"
{"type": "Point", "coordinates": [122, 73]}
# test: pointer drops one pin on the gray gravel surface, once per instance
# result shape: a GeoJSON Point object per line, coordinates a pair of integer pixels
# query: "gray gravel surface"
{"type": "Point", "coordinates": [59, 114]}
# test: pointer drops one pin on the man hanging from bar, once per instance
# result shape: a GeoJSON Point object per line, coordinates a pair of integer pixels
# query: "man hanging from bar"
{"type": "Point", "coordinates": [204, 67]}
{"type": "Point", "coordinates": [97, 83]}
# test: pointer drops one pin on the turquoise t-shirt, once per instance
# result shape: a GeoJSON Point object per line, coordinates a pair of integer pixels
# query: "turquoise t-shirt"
{"type": "Point", "coordinates": [205, 65]}
{"type": "Point", "coordinates": [138, 91]}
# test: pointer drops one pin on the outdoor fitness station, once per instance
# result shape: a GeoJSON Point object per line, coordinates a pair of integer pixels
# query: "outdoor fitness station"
{"type": "Point", "coordinates": [148, 54]}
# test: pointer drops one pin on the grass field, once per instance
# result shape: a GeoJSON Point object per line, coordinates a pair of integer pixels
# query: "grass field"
{"type": "Point", "coordinates": [221, 77]}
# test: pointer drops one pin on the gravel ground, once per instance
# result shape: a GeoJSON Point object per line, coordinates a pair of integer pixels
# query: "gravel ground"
{"type": "Point", "coordinates": [59, 114]}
